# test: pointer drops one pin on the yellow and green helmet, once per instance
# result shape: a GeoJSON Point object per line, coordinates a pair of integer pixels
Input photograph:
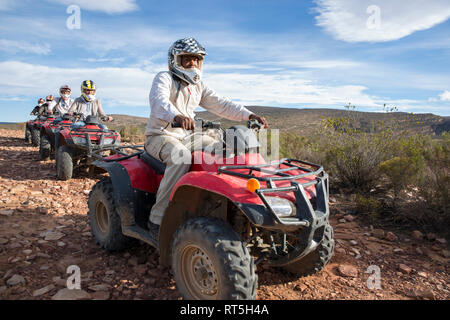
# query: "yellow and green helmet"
{"type": "Point", "coordinates": [88, 85]}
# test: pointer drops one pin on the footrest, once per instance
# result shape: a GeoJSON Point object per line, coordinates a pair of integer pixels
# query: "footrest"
{"type": "Point", "coordinates": [137, 232]}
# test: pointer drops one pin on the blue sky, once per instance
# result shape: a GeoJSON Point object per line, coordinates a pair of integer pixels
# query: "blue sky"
{"type": "Point", "coordinates": [302, 54]}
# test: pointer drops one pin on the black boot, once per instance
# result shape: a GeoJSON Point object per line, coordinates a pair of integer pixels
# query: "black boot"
{"type": "Point", "coordinates": [153, 230]}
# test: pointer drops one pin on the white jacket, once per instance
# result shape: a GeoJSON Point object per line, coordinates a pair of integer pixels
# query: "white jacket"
{"type": "Point", "coordinates": [62, 106]}
{"type": "Point", "coordinates": [169, 98]}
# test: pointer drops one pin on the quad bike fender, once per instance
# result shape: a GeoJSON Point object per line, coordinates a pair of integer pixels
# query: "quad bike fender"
{"type": "Point", "coordinates": [209, 194]}
{"type": "Point", "coordinates": [231, 187]}
{"type": "Point", "coordinates": [133, 200]}
{"type": "Point", "coordinates": [63, 139]}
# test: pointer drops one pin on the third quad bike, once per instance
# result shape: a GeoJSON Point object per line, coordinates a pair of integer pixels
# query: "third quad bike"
{"type": "Point", "coordinates": [222, 220]}
{"type": "Point", "coordinates": [34, 127]}
{"type": "Point", "coordinates": [28, 127]}
{"type": "Point", "coordinates": [76, 145]}
{"type": "Point", "coordinates": [49, 131]}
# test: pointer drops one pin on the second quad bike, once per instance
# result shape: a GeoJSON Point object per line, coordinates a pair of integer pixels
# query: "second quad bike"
{"type": "Point", "coordinates": [226, 215]}
{"type": "Point", "coordinates": [76, 145]}
{"type": "Point", "coordinates": [49, 132]}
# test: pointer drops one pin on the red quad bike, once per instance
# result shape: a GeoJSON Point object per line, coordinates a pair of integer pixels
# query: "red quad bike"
{"type": "Point", "coordinates": [28, 127]}
{"type": "Point", "coordinates": [222, 220]}
{"type": "Point", "coordinates": [48, 133]}
{"type": "Point", "coordinates": [77, 144]}
{"type": "Point", "coordinates": [35, 128]}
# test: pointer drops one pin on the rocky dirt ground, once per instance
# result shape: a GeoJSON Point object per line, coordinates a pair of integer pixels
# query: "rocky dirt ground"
{"type": "Point", "coordinates": [44, 228]}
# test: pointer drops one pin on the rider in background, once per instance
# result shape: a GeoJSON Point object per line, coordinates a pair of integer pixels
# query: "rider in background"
{"type": "Point", "coordinates": [35, 111]}
{"type": "Point", "coordinates": [63, 103]}
{"type": "Point", "coordinates": [88, 104]}
{"type": "Point", "coordinates": [47, 107]}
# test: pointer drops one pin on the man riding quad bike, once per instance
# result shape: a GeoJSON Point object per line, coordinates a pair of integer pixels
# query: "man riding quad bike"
{"type": "Point", "coordinates": [231, 211]}
{"type": "Point", "coordinates": [75, 144]}
{"type": "Point", "coordinates": [30, 123]}
{"type": "Point", "coordinates": [35, 127]}
{"type": "Point", "coordinates": [208, 220]}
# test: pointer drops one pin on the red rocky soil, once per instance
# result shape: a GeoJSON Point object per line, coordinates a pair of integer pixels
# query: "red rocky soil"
{"type": "Point", "coordinates": [44, 228]}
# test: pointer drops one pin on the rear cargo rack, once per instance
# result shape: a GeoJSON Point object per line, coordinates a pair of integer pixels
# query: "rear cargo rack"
{"type": "Point", "coordinates": [118, 150]}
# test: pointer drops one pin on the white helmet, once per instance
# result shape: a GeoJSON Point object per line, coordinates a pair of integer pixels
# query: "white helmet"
{"type": "Point", "coordinates": [64, 88]}
{"type": "Point", "coordinates": [186, 46]}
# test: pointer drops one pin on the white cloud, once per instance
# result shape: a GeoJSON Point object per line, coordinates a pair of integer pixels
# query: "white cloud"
{"type": "Point", "coordinates": [12, 46]}
{"type": "Point", "coordinates": [379, 20]}
{"type": "Point", "coordinates": [130, 86]}
{"type": "Point", "coordinates": [118, 86]}
{"type": "Point", "coordinates": [110, 6]}
{"type": "Point", "coordinates": [285, 89]}
{"type": "Point", "coordinates": [318, 64]}
{"type": "Point", "coordinates": [445, 96]}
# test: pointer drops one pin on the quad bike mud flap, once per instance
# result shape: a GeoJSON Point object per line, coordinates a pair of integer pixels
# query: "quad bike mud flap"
{"type": "Point", "coordinates": [125, 198]}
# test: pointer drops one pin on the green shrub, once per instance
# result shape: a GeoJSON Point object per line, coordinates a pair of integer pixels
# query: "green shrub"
{"type": "Point", "coordinates": [434, 185]}
{"type": "Point", "coordinates": [368, 206]}
{"type": "Point", "coordinates": [295, 146]}
{"type": "Point", "coordinates": [353, 155]}
{"type": "Point", "coordinates": [405, 169]}
{"type": "Point", "coordinates": [131, 133]}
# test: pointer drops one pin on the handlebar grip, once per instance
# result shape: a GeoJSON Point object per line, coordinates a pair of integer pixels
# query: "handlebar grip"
{"type": "Point", "coordinates": [252, 124]}
{"type": "Point", "coordinates": [176, 125]}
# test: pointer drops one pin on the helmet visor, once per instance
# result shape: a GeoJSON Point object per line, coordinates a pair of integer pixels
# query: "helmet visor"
{"type": "Point", "coordinates": [189, 61]}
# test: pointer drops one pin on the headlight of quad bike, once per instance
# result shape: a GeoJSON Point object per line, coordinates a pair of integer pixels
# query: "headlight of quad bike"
{"type": "Point", "coordinates": [108, 141]}
{"type": "Point", "coordinates": [79, 140]}
{"type": "Point", "coordinates": [282, 207]}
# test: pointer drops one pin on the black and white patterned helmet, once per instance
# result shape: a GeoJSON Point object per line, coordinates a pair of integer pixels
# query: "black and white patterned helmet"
{"type": "Point", "coordinates": [183, 47]}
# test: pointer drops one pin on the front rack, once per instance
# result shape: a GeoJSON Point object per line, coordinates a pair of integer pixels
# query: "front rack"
{"type": "Point", "coordinates": [278, 174]}
{"type": "Point", "coordinates": [307, 216]}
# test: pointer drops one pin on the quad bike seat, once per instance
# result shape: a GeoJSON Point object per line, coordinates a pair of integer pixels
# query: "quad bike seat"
{"type": "Point", "coordinates": [154, 163]}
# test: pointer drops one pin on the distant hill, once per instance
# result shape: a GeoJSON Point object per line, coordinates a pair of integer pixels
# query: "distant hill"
{"type": "Point", "coordinates": [301, 121]}
{"type": "Point", "coordinates": [305, 121]}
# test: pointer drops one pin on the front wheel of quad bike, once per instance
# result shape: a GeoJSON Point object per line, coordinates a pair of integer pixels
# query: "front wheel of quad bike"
{"type": "Point", "coordinates": [316, 260]}
{"type": "Point", "coordinates": [27, 135]}
{"type": "Point", "coordinates": [45, 148]}
{"type": "Point", "coordinates": [64, 165]}
{"type": "Point", "coordinates": [104, 220]}
{"type": "Point", "coordinates": [35, 137]}
{"type": "Point", "coordinates": [210, 261]}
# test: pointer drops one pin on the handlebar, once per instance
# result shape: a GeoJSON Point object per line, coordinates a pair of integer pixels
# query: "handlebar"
{"type": "Point", "coordinates": [254, 124]}
{"type": "Point", "coordinates": [200, 123]}
{"type": "Point", "coordinates": [105, 118]}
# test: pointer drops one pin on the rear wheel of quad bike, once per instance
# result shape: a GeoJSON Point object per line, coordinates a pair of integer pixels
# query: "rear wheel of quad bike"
{"type": "Point", "coordinates": [104, 220]}
{"type": "Point", "coordinates": [64, 165]}
{"type": "Point", "coordinates": [35, 137]}
{"type": "Point", "coordinates": [316, 260]}
{"type": "Point", "coordinates": [45, 148]}
{"type": "Point", "coordinates": [27, 135]}
{"type": "Point", "coordinates": [210, 261]}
